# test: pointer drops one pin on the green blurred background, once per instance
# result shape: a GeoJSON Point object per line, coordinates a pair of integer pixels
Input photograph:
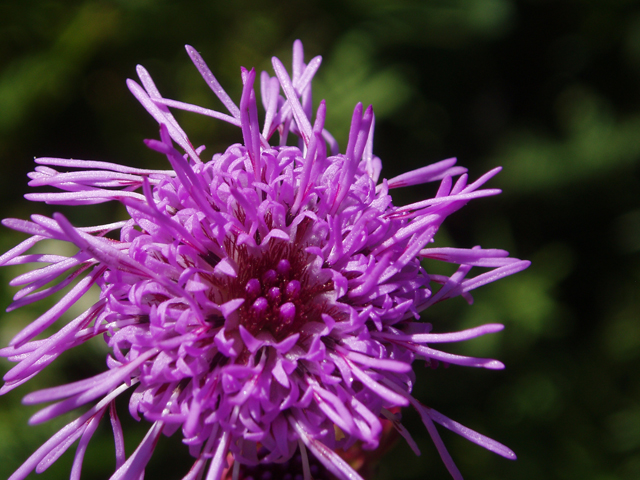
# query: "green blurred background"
{"type": "Point", "coordinates": [548, 89]}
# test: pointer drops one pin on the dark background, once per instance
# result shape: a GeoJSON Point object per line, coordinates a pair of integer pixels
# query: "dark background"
{"type": "Point", "coordinates": [548, 89]}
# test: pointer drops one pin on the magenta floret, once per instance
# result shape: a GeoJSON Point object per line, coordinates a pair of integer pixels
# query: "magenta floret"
{"type": "Point", "coordinates": [261, 302]}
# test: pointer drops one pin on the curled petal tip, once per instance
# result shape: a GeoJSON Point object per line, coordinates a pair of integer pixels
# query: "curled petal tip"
{"type": "Point", "coordinates": [493, 327]}
{"type": "Point", "coordinates": [494, 365]}
{"type": "Point", "coordinates": [132, 84]}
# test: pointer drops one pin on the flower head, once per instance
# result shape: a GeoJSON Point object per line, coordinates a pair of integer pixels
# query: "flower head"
{"type": "Point", "coordinates": [264, 302]}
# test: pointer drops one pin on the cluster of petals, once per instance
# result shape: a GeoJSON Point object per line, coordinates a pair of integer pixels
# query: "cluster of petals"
{"type": "Point", "coordinates": [263, 302]}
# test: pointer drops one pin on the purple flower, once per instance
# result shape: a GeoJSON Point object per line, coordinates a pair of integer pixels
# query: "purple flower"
{"type": "Point", "coordinates": [263, 302]}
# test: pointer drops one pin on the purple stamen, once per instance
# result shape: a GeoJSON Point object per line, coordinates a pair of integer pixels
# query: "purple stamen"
{"type": "Point", "coordinates": [259, 307]}
{"type": "Point", "coordinates": [269, 278]}
{"type": "Point", "coordinates": [253, 287]}
{"type": "Point", "coordinates": [284, 267]}
{"type": "Point", "coordinates": [292, 290]}
{"type": "Point", "coordinates": [274, 295]}
{"type": "Point", "coordinates": [287, 313]}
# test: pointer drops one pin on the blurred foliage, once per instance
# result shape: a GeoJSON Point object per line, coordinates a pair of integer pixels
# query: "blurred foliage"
{"type": "Point", "coordinates": [549, 89]}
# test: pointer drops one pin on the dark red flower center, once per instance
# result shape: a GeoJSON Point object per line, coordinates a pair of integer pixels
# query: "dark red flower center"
{"type": "Point", "coordinates": [280, 290]}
